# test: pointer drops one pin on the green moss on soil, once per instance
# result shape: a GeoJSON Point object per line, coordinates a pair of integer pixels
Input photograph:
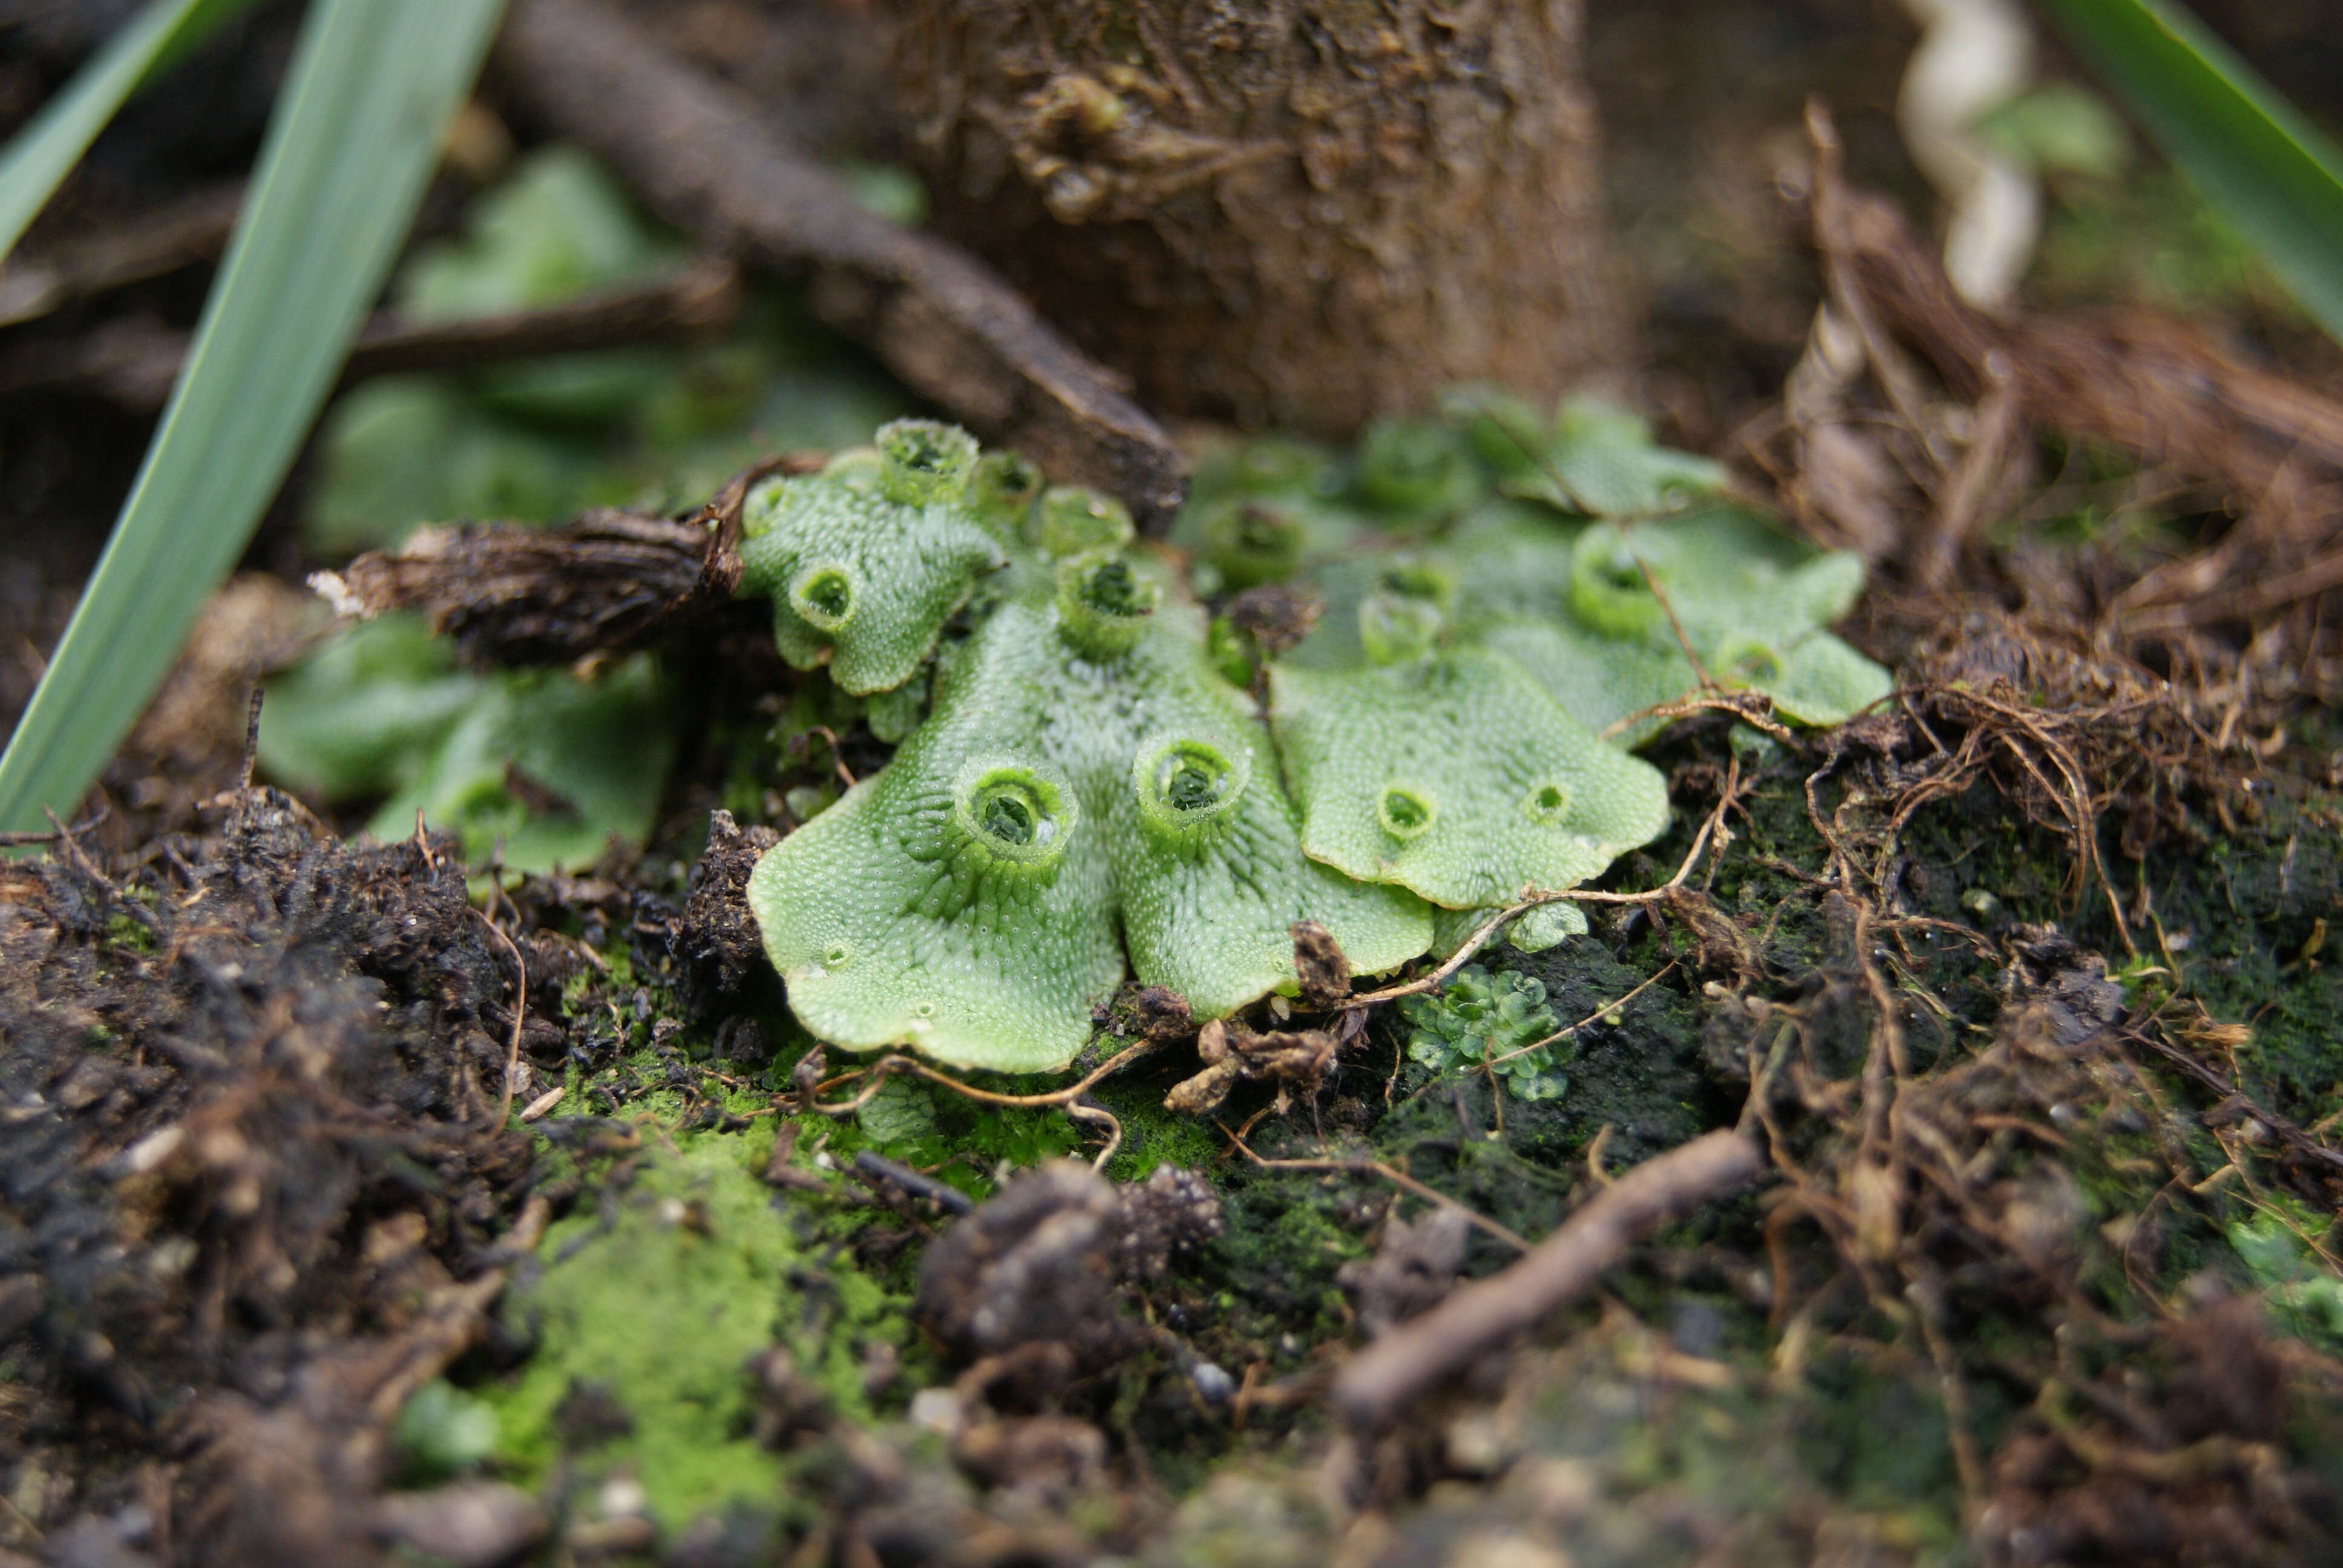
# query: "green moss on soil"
{"type": "Point", "coordinates": [685, 1268]}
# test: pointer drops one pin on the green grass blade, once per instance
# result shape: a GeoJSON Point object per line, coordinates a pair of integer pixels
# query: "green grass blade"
{"type": "Point", "coordinates": [373, 86]}
{"type": "Point", "coordinates": [39, 156]}
{"type": "Point", "coordinates": [2265, 167]}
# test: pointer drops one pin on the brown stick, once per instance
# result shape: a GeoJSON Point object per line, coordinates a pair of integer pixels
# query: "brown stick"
{"type": "Point", "coordinates": [1379, 1382]}
{"type": "Point", "coordinates": [134, 362]}
{"type": "Point", "coordinates": [701, 157]}
{"type": "Point", "coordinates": [192, 229]}
{"type": "Point", "coordinates": [705, 298]}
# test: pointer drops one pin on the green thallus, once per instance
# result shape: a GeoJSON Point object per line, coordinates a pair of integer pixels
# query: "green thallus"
{"type": "Point", "coordinates": [1092, 796]}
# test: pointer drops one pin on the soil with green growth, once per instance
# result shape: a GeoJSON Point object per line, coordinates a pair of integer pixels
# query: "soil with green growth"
{"type": "Point", "coordinates": [359, 1206]}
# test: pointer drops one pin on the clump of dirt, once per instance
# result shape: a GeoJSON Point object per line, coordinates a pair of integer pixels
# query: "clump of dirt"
{"type": "Point", "coordinates": [252, 1089]}
{"type": "Point", "coordinates": [716, 943]}
{"type": "Point", "coordinates": [1037, 1268]}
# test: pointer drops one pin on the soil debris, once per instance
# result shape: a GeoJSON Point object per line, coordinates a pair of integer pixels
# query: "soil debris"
{"type": "Point", "coordinates": [1412, 1271]}
{"type": "Point", "coordinates": [2265, 449]}
{"type": "Point", "coordinates": [254, 1188]}
{"type": "Point", "coordinates": [716, 944]}
{"type": "Point", "coordinates": [1036, 1271]}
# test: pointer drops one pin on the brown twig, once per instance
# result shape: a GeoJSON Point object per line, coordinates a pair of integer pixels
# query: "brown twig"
{"type": "Point", "coordinates": [192, 229]}
{"type": "Point", "coordinates": [705, 298]}
{"type": "Point", "coordinates": [520, 1016]}
{"type": "Point", "coordinates": [1079, 1111]}
{"type": "Point", "coordinates": [251, 737]}
{"type": "Point", "coordinates": [1961, 504]}
{"type": "Point", "coordinates": [1385, 1377]}
{"type": "Point", "coordinates": [79, 860]}
{"type": "Point", "coordinates": [837, 752]}
{"type": "Point", "coordinates": [917, 1184]}
{"type": "Point", "coordinates": [1068, 1099]}
{"type": "Point", "coordinates": [606, 582]}
{"type": "Point", "coordinates": [26, 840]}
{"type": "Point", "coordinates": [1473, 944]}
{"type": "Point", "coordinates": [134, 363]}
{"type": "Point", "coordinates": [1652, 581]}
{"type": "Point", "coordinates": [1754, 708]}
{"type": "Point", "coordinates": [2288, 1131]}
{"type": "Point", "coordinates": [704, 159]}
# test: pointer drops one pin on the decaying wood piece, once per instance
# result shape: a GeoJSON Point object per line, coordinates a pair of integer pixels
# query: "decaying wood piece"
{"type": "Point", "coordinates": [608, 582]}
{"type": "Point", "coordinates": [1301, 214]}
{"type": "Point", "coordinates": [1379, 1382]}
{"type": "Point", "coordinates": [698, 156]}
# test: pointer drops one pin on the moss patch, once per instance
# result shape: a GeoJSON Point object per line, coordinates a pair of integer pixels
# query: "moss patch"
{"type": "Point", "coordinates": [686, 1270]}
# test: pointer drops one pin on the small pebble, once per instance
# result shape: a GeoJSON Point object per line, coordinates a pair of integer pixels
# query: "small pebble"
{"type": "Point", "coordinates": [1212, 1382]}
{"type": "Point", "coordinates": [937, 1410]}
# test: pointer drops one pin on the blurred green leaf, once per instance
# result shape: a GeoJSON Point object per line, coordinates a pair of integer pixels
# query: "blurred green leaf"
{"type": "Point", "coordinates": [373, 86]}
{"type": "Point", "coordinates": [2061, 128]}
{"type": "Point", "coordinates": [2303, 1292]}
{"type": "Point", "coordinates": [540, 767]}
{"type": "Point", "coordinates": [540, 762]}
{"type": "Point", "coordinates": [2267, 169]}
{"type": "Point", "coordinates": [1601, 460]}
{"type": "Point", "coordinates": [891, 190]}
{"type": "Point", "coordinates": [2151, 239]}
{"type": "Point", "coordinates": [558, 229]}
{"type": "Point", "coordinates": [40, 156]}
{"type": "Point", "coordinates": [442, 1432]}
{"type": "Point", "coordinates": [362, 715]}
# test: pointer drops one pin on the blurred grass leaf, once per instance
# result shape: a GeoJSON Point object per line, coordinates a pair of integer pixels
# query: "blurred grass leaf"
{"type": "Point", "coordinates": [2265, 168]}
{"type": "Point", "coordinates": [356, 135]}
{"type": "Point", "coordinates": [39, 156]}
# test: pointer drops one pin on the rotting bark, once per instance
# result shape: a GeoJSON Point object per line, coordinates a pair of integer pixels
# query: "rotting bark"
{"type": "Point", "coordinates": [701, 159]}
{"type": "Point", "coordinates": [1304, 214]}
{"type": "Point", "coordinates": [607, 582]}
